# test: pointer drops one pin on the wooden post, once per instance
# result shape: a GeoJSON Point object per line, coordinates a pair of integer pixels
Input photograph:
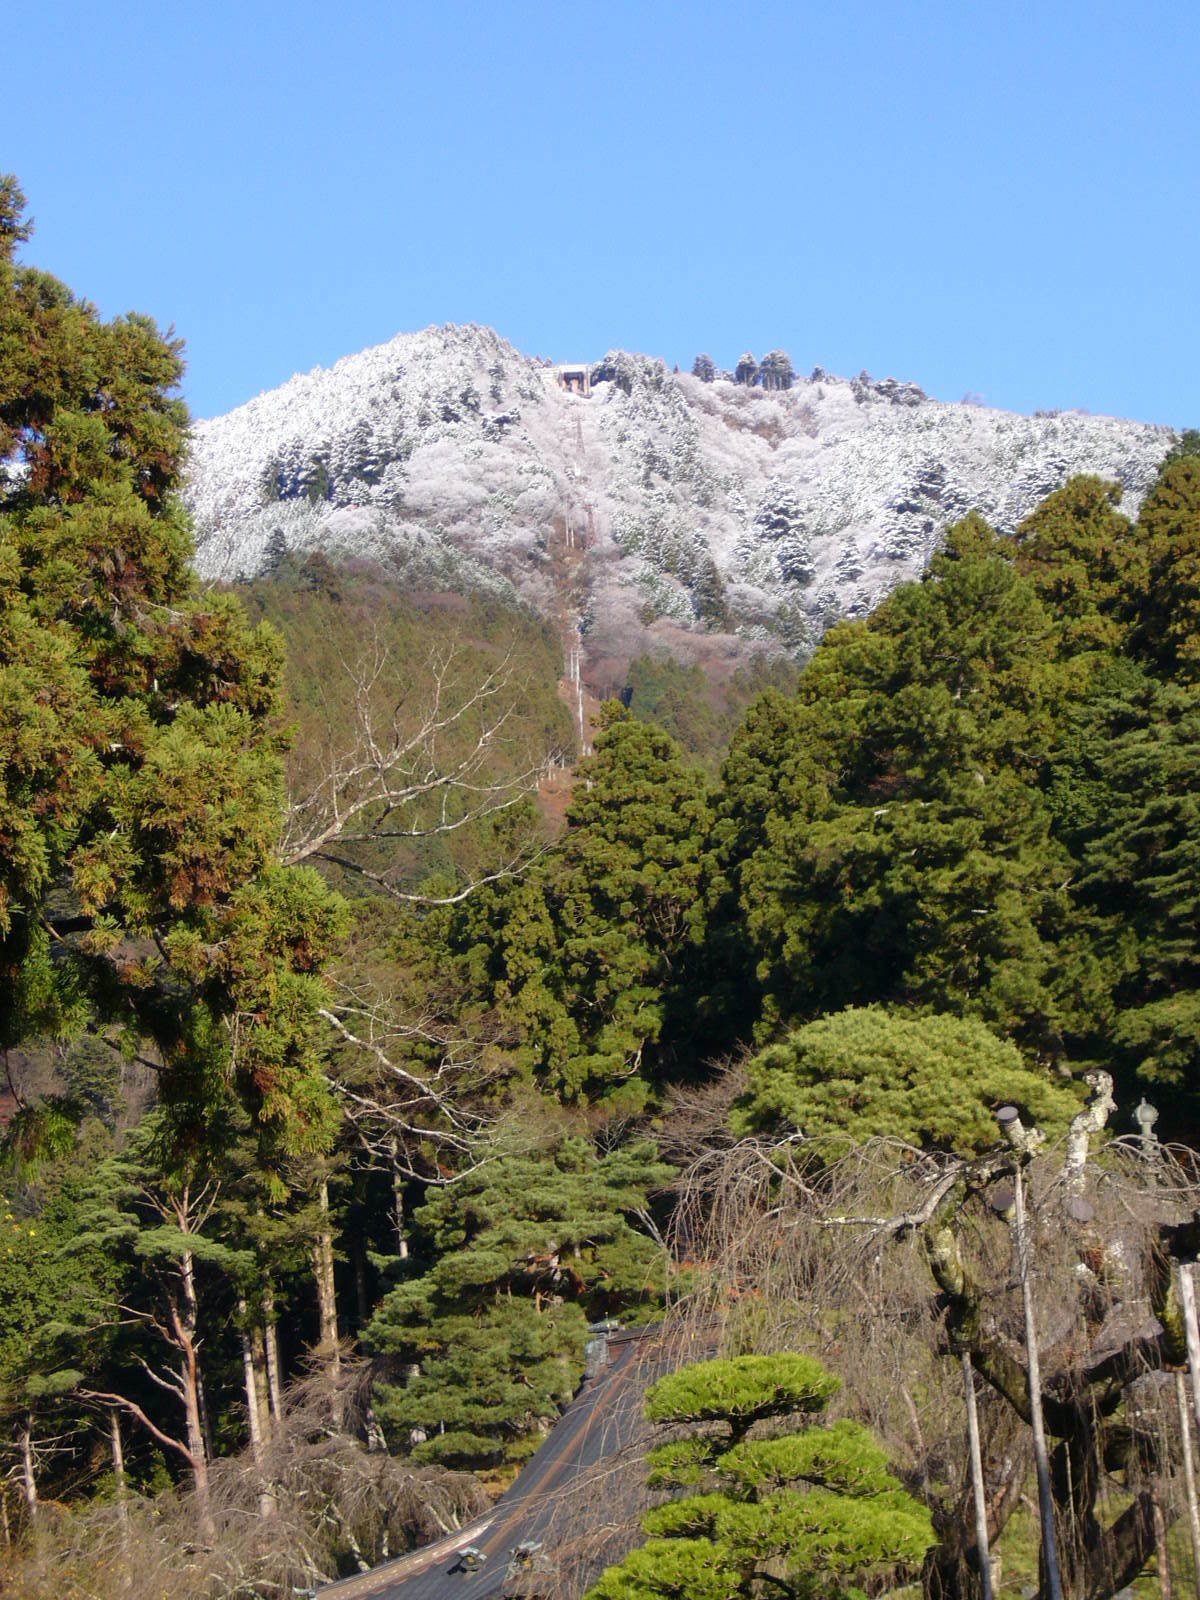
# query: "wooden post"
{"type": "Point", "coordinates": [981, 1527]}
{"type": "Point", "coordinates": [1189, 1475]}
{"type": "Point", "coordinates": [1187, 1297]}
{"type": "Point", "coordinates": [1040, 1453]}
{"type": "Point", "coordinates": [1160, 1543]}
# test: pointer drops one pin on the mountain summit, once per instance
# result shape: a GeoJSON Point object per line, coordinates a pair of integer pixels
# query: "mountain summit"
{"type": "Point", "coordinates": [622, 498]}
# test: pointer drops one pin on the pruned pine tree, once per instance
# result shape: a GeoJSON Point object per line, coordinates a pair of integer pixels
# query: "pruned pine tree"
{"type": "Point", "coordinates": [896, 1261]}
{"type": "Point", "coordinates": [762, 1499]}
{"type": "Point", "coordinates": [931, 1081]}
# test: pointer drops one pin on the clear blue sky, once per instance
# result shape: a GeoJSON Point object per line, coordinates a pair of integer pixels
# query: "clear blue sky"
{"type": "Point", "coordinates": [998, 199]}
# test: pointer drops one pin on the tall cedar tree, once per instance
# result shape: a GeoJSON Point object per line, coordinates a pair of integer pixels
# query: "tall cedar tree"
{"type": "Point", "coordinates": [584, 958]}
{"type": "Point", "coordinates": [140, 778]}
{"type": "Point", "coordinates": [885, 838]}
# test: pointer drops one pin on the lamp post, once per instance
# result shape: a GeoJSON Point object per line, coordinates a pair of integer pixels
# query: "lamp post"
{"type": "Point", "coordinates": [1024, 1141]}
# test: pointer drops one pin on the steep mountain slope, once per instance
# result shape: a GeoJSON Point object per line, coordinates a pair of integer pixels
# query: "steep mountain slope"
{"type": "Point", "coordinates": [657, 503]}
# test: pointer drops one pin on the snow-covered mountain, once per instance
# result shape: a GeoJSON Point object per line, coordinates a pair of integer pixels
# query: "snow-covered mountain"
{"type": "Point", "coordinates": [655, 505]}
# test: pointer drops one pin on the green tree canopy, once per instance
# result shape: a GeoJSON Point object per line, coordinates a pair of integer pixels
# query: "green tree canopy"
{"type": "Point", "coordinates": [813, 1511]}
{"type": "Point", "coordinates": [1079, 552]}
{"type": "Point", "coordinates": [933, 1081]}
{"type": "Point", "coordinates": [140, 754]}
{"type": "Point", "coordinates": [521, 1252]}
{"type": "Point", "coordinates": [899, 845]}
{"type": "Point", "coordinates": [583, 957]}
{"type": "Point", "coordinates": [1169, 528]}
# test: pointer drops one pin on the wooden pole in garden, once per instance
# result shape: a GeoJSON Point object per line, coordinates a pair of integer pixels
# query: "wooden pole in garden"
{"type": "Point", "coordinates": [1010, 1123]}
{"type": "Point", "coordinates": [981, 1527]}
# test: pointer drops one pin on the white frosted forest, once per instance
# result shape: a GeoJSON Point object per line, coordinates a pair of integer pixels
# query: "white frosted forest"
{"type": "Point", "coordinates": [657, 504]}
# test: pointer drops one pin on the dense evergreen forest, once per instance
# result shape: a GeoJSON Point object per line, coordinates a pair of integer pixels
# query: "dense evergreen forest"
{"type": "Point", "coordinates": [349, 1081]}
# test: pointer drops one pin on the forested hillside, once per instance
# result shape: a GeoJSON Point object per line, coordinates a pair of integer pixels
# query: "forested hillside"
{"type": "Point", "coordinates": [351, 1082]}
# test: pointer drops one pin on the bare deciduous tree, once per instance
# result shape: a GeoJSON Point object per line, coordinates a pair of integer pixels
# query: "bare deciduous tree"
{"type": "Point", "coordinates": [410, 755]}
{"type": "Point", "coordinates": [887, 1260]}
{"type": "Point", "coordinates": [335, 1506]}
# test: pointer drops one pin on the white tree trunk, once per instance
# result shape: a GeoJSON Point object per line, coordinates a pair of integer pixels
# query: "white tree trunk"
{"type": "Point", "coordinates": [189, 1374]}
{"type": "Point", "coordinates": [28, 1472]}
{"type": "Point", "coordinates": [271, 1348]}
{"type": "Point", "coordinates": [398, 1204]}
{"type": "Point", "coordinates": [118, 1460]}
{"type": "Point", "coordinates": [322, 1260]}
{"type": "Point", "coordinates": [253, 1420]}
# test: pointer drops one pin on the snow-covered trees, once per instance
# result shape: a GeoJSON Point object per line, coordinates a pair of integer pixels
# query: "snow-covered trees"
{"type": "Point", "coordinates": [776, 370]}
{"type": "Point", "coordinates": [746, 370]}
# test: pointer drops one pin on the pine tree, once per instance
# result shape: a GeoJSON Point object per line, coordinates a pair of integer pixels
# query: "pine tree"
{"type": "Point", "coordinates": [1083, 560]}
{"type": "Point", "coordinates": [704, 368]}
{"type": "Point", "coordinates": [906, 855]}
{"type": "Point", "coordinates": [932, 1081]}
{"type": "Point", "coordinates": [1138, 882]}
{"type": "Point", "coordinates": [56, 1291]}
{"type": "Point", "coordinates": [813, 1512]}
{"type": "Point", "coordinates": [523, 1250]}
{"type": "Point", "coordinates": [582, 959]}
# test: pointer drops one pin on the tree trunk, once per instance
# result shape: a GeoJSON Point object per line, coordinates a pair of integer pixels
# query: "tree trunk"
{"type": "Point", "coordinates": [195, 1430]}
{"type": "Point", "coordinates": [322, 1261]}
{"type": "Point", "coordinates": [360, 1283]}
{"type": "Point", "coordinates": [1187, 1296]}
{"type": "Point", "coordinates": [266, 1501]}
{"type": "Point", "coordinates": [205, 1419]}
{"type": "Point", "coordinates": [271, 1350]}
{"type": "Point", "coordinates": [1040, 1454]}
{"type": "Point", "coordinates": [185, 1324]}
{"type": "Point", "coordinates": [28, 1474]}
{"type": "Point", "coordinates": [1160, 1547]}
{"type": "Point", "coordinates": [253, 1421]}
{"type": "Point", "coordinates": [398, 1204]}
{"type": "Point", "coordinates": [258, 1355]}
{"type": "Point", "coordinates": [118, 1461]}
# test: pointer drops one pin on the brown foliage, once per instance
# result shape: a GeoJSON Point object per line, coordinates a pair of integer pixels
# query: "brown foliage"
{"type": "Point", "coordinates": [315, 1505]}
